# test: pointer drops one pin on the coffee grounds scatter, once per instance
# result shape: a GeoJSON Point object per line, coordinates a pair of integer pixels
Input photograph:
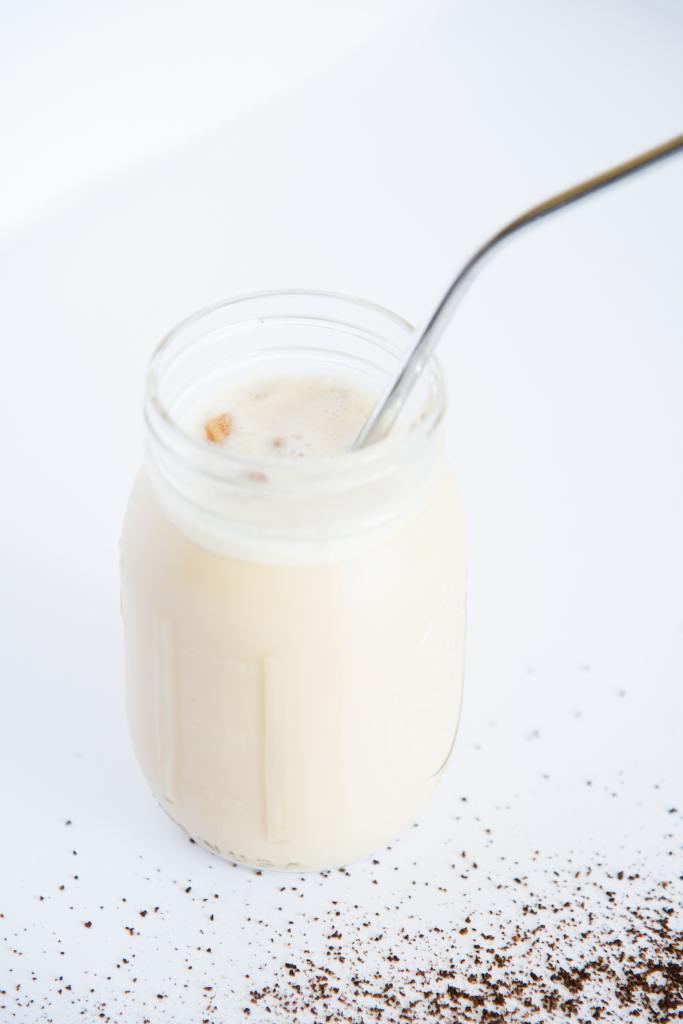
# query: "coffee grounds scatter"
{"type": "Point", "coordinates": [562, 942]}
{"type": "Point", "coordinates": [554, 960]}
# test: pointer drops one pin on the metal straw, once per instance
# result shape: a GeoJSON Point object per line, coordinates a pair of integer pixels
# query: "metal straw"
{"type": "Point", "coordinates": [386, 410]}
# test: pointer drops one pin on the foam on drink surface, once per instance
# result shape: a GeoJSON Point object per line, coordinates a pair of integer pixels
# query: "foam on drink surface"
{"type": "Point", "coordinates": [282, 415]}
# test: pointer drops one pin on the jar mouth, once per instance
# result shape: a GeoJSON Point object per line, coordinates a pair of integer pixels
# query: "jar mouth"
{"type": "Point", "coordinates": [337, 316]}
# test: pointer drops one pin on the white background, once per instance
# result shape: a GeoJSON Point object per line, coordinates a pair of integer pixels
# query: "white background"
{"type": "Point", "coordinates": [159, 157]}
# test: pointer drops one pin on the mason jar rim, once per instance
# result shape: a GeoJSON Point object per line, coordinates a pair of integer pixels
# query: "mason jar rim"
{"type": "Point", "coordinates": [219, 463]}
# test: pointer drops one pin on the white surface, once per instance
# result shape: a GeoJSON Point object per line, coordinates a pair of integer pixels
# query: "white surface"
{"type": "Point", "coordinates": [565, 368]}
{"type": "Point", "coordinates": [98, 88]}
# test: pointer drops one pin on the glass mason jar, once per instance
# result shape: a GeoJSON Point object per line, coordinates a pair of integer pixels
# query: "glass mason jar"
{"type": "Point", "coordinates": [294, 629]}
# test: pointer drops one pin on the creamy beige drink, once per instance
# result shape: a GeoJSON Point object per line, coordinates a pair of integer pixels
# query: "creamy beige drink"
{"type": "Point", "coordinates": [294, 617]}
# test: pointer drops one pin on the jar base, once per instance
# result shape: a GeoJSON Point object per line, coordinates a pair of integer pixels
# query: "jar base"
{"type": "Point", "coordinates": [262, 864]}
